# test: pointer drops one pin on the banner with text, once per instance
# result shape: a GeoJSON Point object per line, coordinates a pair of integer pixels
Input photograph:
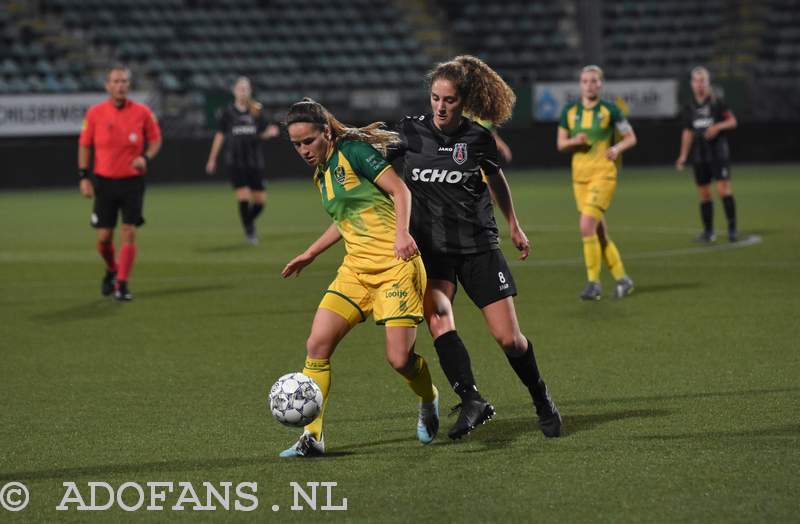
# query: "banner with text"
{"type": "Point", "coordinates": [643, 98]}
{"type": "Point", "coordinates": [51, 115]}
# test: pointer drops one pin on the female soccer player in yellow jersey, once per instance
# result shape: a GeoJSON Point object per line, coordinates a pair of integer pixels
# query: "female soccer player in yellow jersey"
{"type": "Point", "coordinates": [381, 273]}
{"type": "Point", "coordinates": [587, 130]}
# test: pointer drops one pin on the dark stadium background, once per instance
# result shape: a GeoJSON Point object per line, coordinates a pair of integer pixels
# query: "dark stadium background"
{"type": "Point", "coordinates": [366, 59]}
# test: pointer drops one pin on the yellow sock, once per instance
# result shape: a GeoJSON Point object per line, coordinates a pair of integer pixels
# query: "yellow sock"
{"type": "Point", "coordinates": [591, 256]}
{"type": "Point", "coordinates": [613, 260]}
{"type": "Point", "coordinates": [418, 378]}
{"type": "Point", "coordinates": [319, 369]}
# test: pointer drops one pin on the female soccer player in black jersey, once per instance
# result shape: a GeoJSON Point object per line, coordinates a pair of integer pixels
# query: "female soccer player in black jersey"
{"type": "Point", "coordinates": [451, 168]}
{"type": "Point", "coordinates": [706, 122]}
{"type": "Point", "coordinates": [242, 125]}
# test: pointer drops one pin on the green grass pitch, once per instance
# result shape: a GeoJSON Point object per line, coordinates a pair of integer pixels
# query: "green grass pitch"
{"type": "Point", "coordinates": [681, 403]}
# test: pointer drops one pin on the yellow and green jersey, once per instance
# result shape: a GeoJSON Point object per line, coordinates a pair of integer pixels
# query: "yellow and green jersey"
{"type": "Point", "coordinates": [599, 123]}
{"type": "Point", "coordinates": [362, 212]}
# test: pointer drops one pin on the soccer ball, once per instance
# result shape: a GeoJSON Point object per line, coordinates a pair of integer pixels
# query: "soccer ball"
{"type": "Point", "coordinates": [295, 400]}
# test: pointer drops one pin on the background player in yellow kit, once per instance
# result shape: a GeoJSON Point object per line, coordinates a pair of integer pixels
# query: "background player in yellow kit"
{"type": "Point", "coordinates": [587, 130]}
{"type": "Point", "coordinates": [381, 273]}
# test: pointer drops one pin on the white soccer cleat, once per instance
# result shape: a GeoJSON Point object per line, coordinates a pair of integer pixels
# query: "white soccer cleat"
{"type": "Point", "coordinates": [428, 422]}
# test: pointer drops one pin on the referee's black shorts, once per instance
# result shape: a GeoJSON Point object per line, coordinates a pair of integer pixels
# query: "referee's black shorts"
{"type": "Point", "coordinates": [485, 276]}
{"type": "Point", "coordinates": [705, 172]}
{"type": "Point", "coordinates": [247, 177]}
{"type": "Point", "coordinates": [115, 195]}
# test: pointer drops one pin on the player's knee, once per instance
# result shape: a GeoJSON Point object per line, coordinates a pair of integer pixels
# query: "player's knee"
{"type": "Point", "coordinates": [318, 347]}
{"type": "Point", "coordinates": [400, 361]}
{"type": "Point", "coordinates": [438, 325]}
{"type": "Point", "coordinates": [512, 343]}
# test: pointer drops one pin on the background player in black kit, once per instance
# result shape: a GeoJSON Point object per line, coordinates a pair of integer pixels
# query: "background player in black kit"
{"type": "Point", "coordinates": [706, 119]}
{"type": "Point", "coordinates": [242, 125]}
{"type": "Point", "coordinates": [451, 168]}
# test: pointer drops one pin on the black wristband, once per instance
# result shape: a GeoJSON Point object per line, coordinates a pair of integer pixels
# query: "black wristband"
{"type": "Point", "coordinates": [83, 173]}
{"type": "Point", "coordinates": [146, 160]}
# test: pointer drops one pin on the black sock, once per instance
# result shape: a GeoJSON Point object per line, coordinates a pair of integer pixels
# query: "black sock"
{"type": "Point", "coordinates": [707, 215]}
{"type": "Point", "coordinates": [244, 214]}
{"type": "Point", "coordinates": [255, 210]}
{"type": "Point", "coordinates": [730, 211]}
{"type": "Point", "coordinates": [455, 362]}
{"type": "Point", "coordinates": [525, 367]}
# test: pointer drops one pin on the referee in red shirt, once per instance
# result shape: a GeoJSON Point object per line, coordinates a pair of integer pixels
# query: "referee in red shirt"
{"type": "Point", "coordinates": [125, 137]}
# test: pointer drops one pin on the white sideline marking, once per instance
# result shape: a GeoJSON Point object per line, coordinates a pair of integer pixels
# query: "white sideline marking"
{"type": "Point", "coordinates": [750, 240]}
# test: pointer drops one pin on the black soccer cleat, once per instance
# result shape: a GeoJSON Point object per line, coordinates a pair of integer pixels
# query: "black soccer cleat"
{"type": "Point", "coordinates": [471, 413]}
{"type": "Point", "coordinates": [546, 410]}
{"type": "Point", "coordinates": [592, 291]}
{"type": "Point", "coordinates": [733, 235]}
{"type": "Point", "coordinates": [122, 293]}
{"type": "Point", "coordinates": [107, 286]}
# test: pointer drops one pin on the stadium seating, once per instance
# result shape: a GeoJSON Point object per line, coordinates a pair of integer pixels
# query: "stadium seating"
{"type": "Point", "coordinates": [523, 40]}
{"type": "Point", "coordinates": [186, 49]}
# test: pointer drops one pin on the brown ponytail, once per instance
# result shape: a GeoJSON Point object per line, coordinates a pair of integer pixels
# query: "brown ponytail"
{"type": "Point", "coordinates": [312, 112]}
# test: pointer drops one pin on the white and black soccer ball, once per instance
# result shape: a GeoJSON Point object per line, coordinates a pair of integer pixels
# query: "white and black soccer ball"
{"type": "Point", "coordinates": [295, 400]}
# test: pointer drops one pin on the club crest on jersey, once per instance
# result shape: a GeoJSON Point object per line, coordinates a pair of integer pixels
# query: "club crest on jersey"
{"type": "Point", "coordinates": [460, 153]}
{"type": "Point", "coordinates": [339, 174]}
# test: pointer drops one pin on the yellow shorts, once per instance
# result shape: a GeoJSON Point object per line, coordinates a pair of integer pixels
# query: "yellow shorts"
{"type": "Point", "coordinates": [394, 297]}
{"type": "Point", "coordinates": [594, 196]}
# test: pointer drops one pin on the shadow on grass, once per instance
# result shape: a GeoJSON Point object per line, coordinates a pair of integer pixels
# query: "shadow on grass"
{"type": "Point", "coordinates": [682, 396]}
{"type": "Point", "coordinates": [577, 423]}
{"type": "Point", "coordinates": [660, 288]}
{"type": "Point", "coordinates": [105, 307]}
{"type": "Point", "coordinates": [789, 430]}
{"type": "Point", "coordinates": [502, 432]}
{"type": "Point", "coordinates": [99, 308]}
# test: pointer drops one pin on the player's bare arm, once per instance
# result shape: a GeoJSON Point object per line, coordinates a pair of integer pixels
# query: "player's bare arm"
{"type": "Point", "coordinates": [216, 147]}
{"type": "Point", "coordinates": [86, 187]}
{"type": "Point", "coordinates": [686, 144]}
{"type": "Point", "coordinates": [140, 162]}
{"type": "Point", "coordinates": [271, 131]}
{"type": "Point", "coordinates": [404, 245]}
{"type": "Point", "coordinates": [566, 144]}
{"type": "Point", "coordinates": [498, 185]}
{"type": "Point", "coordinates": [627, 142]}
{"type": "Point", "coordinates": [326, 240]}
{"type": "Point", "coordinates": [727, 124]}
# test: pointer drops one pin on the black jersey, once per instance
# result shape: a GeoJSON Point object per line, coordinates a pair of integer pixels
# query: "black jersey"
{"type": "Point", "coordinates": [451, 209]}
{"type": "Point", "coordinates": [697, 118]}
{"type": "Point", "coordinates": [242, 131]}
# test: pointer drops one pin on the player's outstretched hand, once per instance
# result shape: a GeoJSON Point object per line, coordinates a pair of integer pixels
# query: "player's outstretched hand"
{"type": "Point", "coordinates": [86, 187]}
{"type": "Point", "coordinates": [211, 167]}
{"type": "Point", "coordinates": [521, 242]}
{"type": "Point", "coordinates": [405, 247]}
{"type": "Point", "coordinates": [680, 163]}
{"type": "Point", "coordinates": [296, 265]}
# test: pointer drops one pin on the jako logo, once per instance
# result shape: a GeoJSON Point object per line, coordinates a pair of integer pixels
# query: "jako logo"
{"type": "Point", "coordinates": [437, 175]}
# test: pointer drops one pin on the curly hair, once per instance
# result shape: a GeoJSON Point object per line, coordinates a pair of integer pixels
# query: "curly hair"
{"type": "Point", "coordinates": [486, 95]}
{"type": "Point", "coordinates": [312, 112]}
